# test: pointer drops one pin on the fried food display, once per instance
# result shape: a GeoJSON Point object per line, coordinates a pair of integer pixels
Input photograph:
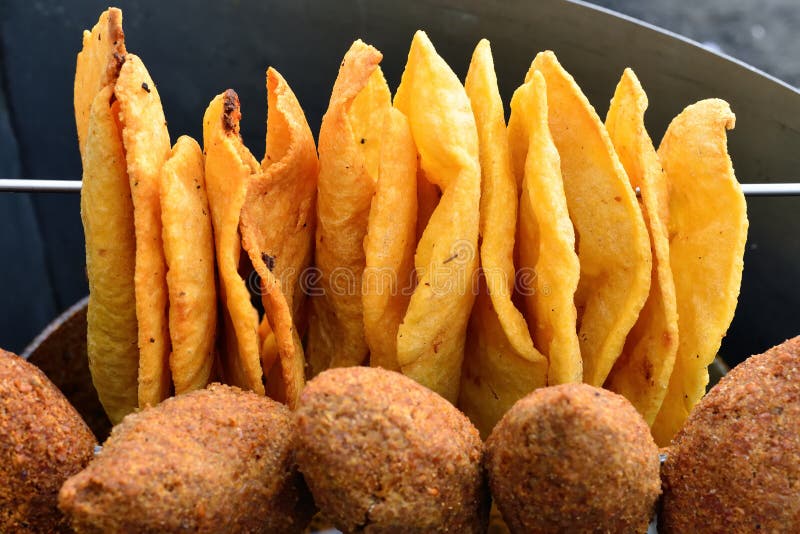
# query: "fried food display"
{"type": "Point", "coordinates": [130, 191]}
{"type": "Point", "coordinates": [380, 452]}
{"type": "Point", "coordinates": [573, 458]}
{"type": "Point", "coordinates": [613, 245]}
{"type": "Point", "coordinates": [548, 265]}
{"type": "Point", "coordinates": [641, 373]}
{"type": "Point", "coordinates": [189, 253]}
{"type": "Point", "coordinates": [430, 341]}
{"type": "Point", "coordinates": [349, 153]}
{"type": "Point", "coordinates": [739, 452]}
{"type": "Point", "coordinates": [213, 460]}
{"type": "Point", "coordinates": [708, 230]}
{"type": "Point", "coordinates": [501, 364]}
{"type": "Point", "coordinates": [43, 441]}
{"type": "Point", "coordinates": [428, 239]}
{"type": "Point", "coordinates": [390, 241]}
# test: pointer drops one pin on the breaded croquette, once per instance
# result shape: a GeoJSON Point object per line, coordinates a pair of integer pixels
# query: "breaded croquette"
{"type": "Point", "coordinates": [43, 441]}
{"type": "Point", "coordinates": [573, 458]}
{"type": "Point", "coordinates": [735, 465]}
{"type": "Point", "coordinates": [382, 453]}
{"type": "Point", "coordinates": [213, 460]}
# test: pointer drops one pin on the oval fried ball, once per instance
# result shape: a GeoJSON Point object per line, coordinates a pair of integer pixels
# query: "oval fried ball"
{"type": "Point", "coordinates": [382, 453]}
{"type": "Point", "coordinates": [573, 458]}
{"type": "Point", "coordinates": [213, 460]}
{"type": "Point", "coordinates": [735, 465]}
{"type": "Point", "coordinates": [43, 441]}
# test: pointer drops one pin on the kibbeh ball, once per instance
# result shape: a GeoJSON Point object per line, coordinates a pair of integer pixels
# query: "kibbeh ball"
{"type": "Point", "coordinates": [213, 460]}
{"type": "Point", "coordinates": [43, 441]}
{"type": "Point", "coordinates": [735, 465]}
{"type": "Point", "coordinates": [382, 453]}
{"type": "Point", "coordinates": [573, 458]}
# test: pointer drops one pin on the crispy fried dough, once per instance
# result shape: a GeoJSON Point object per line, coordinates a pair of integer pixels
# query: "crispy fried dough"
{"type": "Point", "coordinates": [98, 65]}
{"type": "Point", "coordinates": [349, 148]}
{"type": "Point", "coordinates": [147, 146]}
{"type": "Point", "coordinates": [430, 341]}
{"type": "Point", "coordinates": [642, 372]}
{"type": "Point", "coordinates": [612, 240]}
{"type": "Point", "coordinates": [108, 227]}
{"type": "Point", "coordinates": [189, 253]}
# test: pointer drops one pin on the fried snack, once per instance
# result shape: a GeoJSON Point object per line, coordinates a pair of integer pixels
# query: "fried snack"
{"type": "Point", "coordinates": [147, 146]}
{"type": "Point", "coordinates": [641, 374]}
{"type": "Point", "coordinates": [613, 245]}
{"type": "Point", "coordinates": [382, 453]}
{"type": "Point", "coordinates": [501, 364]}
{"type": "Point", "coordinates": [548, 266]}
{"type": "Point", "coordinates": [276, 227]}
{"type": "Point", "coordinates": [573, 458]}
{"type": "Point", "coordinates": [430, 341]}
{"type": "Point", "coordinates": [108, 227]}
{"type": "Point", "coordinates": [494, 376]}
{"type": "Point", "coordinates": [213, 460]}
{"type": "Point", "coordinates": [98, 65]}
{"type": "Point", "coordinates": [739, 452]}
{"type": "Point", "coordinates": [428, 196]}
{"type": "Point", "coordinates": [708, 230]}
{"type": "Point", "coordinates": [277, 221]}
{"type": "Point", "coordinates": [228, 170]}
{"type": "Point", "coordinates": [189, 252]}
{"type": "Point", "coordinates": [43, 441]}
{"type": "Point", "coordinates": [349, 149]}
{"type": "Point", "coordinates": [390, 242]}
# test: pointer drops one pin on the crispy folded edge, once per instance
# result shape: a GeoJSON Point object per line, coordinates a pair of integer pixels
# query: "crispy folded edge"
{"type": "Point", "coordinates": [615, 267]}
{"type": "Point", "coordinates": [641, 373]}
{"type": "Point", "coordinates": [501, 365]}
{"type": "Point", "coordinates": [694, 154]}
{"type": "Point", "coordinates": [98, 64]}
{"type": "Point", "coordinates": [147, 146]}
{"type": "Point", "coordinates": [290, 161]}
{"type": "Point", "coordinates": [430, 341]}
{"type": "Point", "coordinates": [344, 194]}
{"type": "Point", "coordinates": [228, 169]}
{"type": "Point", "coordinates": [189, 252]}
{"type": "Point", "coordinates": [390, 242]}
{"type": "Point", "coordinates": [548, 265]}
{"type": "Point", "coordinates": [107, 216]}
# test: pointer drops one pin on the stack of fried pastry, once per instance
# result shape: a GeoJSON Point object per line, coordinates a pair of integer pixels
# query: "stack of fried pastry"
{"type": "Point", "coordinates": [423, 234]}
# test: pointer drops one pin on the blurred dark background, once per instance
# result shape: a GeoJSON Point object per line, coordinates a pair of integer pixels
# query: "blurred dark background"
{"type": "Point", "coordinates": [195, 50]}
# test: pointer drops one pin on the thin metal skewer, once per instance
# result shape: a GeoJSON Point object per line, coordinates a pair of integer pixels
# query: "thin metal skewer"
{"type": "Point", "coordinates": [770, 190]}
{"type": "Point", "coordinates": [764, 190]}
{"type": "Point", "coordinates": [14, 185]}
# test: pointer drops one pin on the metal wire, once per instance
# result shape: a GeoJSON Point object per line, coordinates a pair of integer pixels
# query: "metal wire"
{"type": "Point", "coordinates": [14, 185]}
